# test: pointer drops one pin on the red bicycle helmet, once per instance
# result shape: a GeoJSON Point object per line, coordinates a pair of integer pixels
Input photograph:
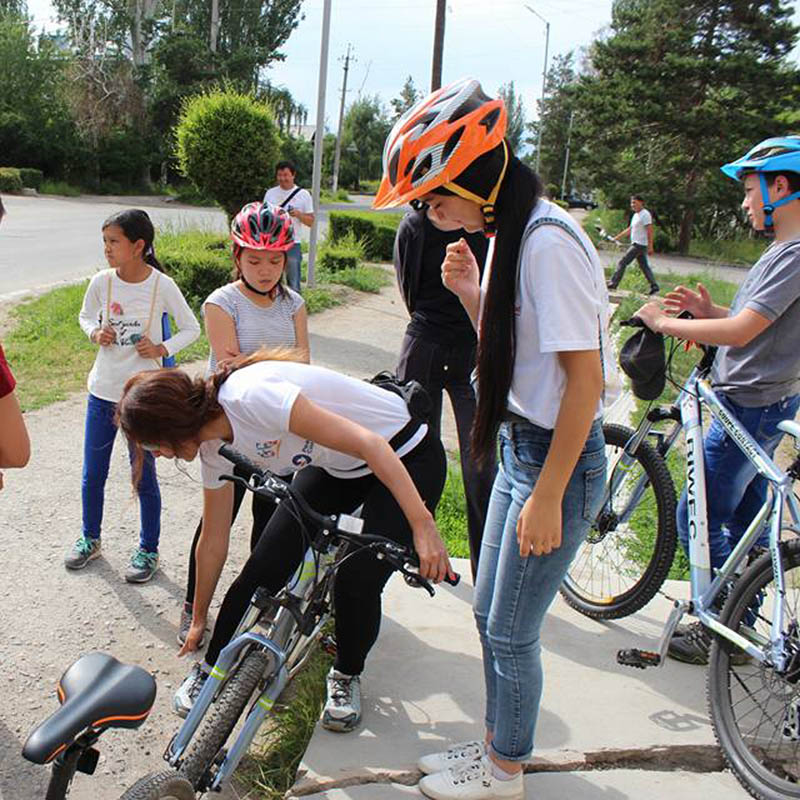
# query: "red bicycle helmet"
{"type": "Point", "coordinates": [262, 226]}
{"type": "Point", "coordinates": [437, 139]}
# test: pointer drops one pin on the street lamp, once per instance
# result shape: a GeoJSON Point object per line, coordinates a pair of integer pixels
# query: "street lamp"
{"type": "Point", "coordinates": [544, 84]}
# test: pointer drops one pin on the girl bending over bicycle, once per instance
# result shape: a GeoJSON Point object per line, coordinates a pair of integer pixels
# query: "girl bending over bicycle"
{"type": "Point", "coordinates": [291, 417]}
{"type": "Point", "coordinates": [756, 369]}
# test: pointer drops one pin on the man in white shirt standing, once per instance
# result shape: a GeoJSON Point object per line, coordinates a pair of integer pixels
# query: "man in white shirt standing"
{"type": "Point", "coordinates": [300, 206]}
{"type": "Point", "coordinates": [641, 230]}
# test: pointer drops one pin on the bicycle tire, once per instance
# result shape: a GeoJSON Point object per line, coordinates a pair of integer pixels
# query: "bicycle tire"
{"type": "Point", "coordinates": [164, 785]}
{"type": "Point", "coordinates": [764, 762]}
{"type": "Point", "coordinates": [222, 717]}
{"type": "Point", "coordinates": [638, 569]}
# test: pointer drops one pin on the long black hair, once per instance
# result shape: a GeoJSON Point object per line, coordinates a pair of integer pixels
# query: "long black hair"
{"type": "Point", "coordinates": [136, 224]}
{"type": "Point", "coordinates": [519, 192]}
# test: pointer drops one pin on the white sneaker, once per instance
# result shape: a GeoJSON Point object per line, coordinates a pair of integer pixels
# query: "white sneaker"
{"type": "Point", "coordinates": [190, 689]}
{"type": "Point", "coordinates": [343, 705]}
{"type": "Point", "coordinates": [452, 757]}
{"type": "Point", "coordinates": [471, 780]}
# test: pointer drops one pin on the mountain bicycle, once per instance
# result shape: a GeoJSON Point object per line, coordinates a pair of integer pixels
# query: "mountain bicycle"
{"type": "Point", "coordinates": [96, 693]}
{"type": "Point", "coordinates": [255, 668]}
{"type": "Point", "coordinates": [630, 549]}
{"type": "Point", "coordinates": [753, 677]}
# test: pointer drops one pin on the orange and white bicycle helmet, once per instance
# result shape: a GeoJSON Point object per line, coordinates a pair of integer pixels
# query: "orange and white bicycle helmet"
{"type": "Point", "coordinates": [262, 226]}
{"type": "Point", "coordinates": [437, 139]}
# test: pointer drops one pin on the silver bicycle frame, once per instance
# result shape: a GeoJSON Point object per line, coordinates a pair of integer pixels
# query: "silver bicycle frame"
{"type": "Point", "coordinates": [705, 587]}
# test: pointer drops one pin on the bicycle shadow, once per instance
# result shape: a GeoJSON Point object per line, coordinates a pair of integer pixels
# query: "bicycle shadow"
{"type": "Point", "coordinates": [19, 778]}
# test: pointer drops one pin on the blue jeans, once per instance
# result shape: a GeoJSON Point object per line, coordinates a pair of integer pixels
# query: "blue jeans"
{"type": "Point", "coordinates": [294, 258]}
{"type": "Point", "coordinates": [512, 594]}
{"type": "Point", "coordinates": [98, 443]}
{"type": "Point", "coordinates": [734, 491]}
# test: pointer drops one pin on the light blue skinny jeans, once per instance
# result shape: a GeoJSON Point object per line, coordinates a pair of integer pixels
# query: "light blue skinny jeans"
{"type": "Point", "coordinates": [512, 594]}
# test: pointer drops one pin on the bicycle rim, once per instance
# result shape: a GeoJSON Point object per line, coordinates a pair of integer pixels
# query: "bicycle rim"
{"type": "Point", "coordinates": [754, 710]}
{"type": "Point", "coordinates": [622, 564]}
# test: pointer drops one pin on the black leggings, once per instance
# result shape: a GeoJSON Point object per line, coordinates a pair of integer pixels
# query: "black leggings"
{"type": "Point", "coordinates": [360, 581]}
{"type": "Point", "coordinates": [263, 510]}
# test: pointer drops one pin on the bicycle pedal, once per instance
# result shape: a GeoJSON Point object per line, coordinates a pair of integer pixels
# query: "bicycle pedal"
{"type": "Point", "coordinates": [328, 644]}
{"type": "Point", "coordinates": [641, 659]}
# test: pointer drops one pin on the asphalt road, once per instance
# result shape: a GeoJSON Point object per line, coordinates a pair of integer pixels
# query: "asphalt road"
{"type": "Point", "coordinates": [46, 240]}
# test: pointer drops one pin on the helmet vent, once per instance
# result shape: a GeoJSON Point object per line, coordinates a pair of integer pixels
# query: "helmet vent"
{"type": "Point", "coordinates": [393, 165]}
{"type": "Point", "coordinates": [490, 120]}
{"type": "Point", "coordinates": [451, 143]}
{"type": "Point", "coordinates": [422, 168]}
{"type": "Point", "coordinates": [463, 109]}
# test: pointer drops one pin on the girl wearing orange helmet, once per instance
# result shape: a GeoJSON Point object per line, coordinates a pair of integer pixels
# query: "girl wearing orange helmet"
{"type": "Point", "coordinates": [541, 315]}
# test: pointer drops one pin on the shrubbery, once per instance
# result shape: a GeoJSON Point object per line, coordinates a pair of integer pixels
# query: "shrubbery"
{"type": "Point", "coordinates": [344, 253]}
{"type": "Point", "coordinates": [10, 180]}
{"type": "Point", "coordinates": [227, 145]}
{"type": "Point", "coordinates": [31, 178]}
{"type": "Point", "coordinates": [375, 230]}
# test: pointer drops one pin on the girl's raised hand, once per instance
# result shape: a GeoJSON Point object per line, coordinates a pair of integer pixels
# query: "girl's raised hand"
{"type": "Point", "coordinates": [104, 336]}
{"type": "Point", "coordinates": [146, 349]}
{"type": "Point", "coordinates": [681, 298]}
{"type": "Point", "coordinates": [460, 273]}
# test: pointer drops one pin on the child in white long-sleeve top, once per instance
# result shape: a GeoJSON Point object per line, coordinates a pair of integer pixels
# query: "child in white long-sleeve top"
{"type": "Point", "coordinates": [122, 311]}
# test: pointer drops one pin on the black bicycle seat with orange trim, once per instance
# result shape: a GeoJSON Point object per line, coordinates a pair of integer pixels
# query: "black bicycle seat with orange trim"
{"type": "Point", "coordinates": [96, 692]}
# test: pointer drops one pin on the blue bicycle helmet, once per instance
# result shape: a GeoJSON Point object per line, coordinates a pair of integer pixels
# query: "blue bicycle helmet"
{"type": "Point", "coordinates": [778, 154]}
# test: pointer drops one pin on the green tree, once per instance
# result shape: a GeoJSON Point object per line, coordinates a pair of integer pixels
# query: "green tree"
{"type": "Point", "coordinates": [407, 97]}
{"type": "Point", "coordinates": [677, 88]}
{"type": "Point", "coordinates": [227, 145]}
{"type": "Point", "coordinates": [515, 131]}
{"type": "Point", "coordinates": [364, 130]}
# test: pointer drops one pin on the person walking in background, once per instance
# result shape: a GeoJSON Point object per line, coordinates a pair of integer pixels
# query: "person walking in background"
{"type": "Point", "coordinates": [298, 203]}
{"type": "Point", "coordinates": [2, 209]}
{"type": "Point", "coordinates": [15, 446]}
{"type": "Point", "coordinates": [438, 348]}
{"type": "Point", "coordinates": [121, 313]}
{"type": "Point", "coordinates": [641, 231]}
{"type": "Point", "coordinates": [252, 312]}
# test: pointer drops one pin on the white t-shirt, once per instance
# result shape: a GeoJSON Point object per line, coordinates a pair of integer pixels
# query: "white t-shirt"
{"type": "Point", "coordinates": [639, 222]}
{"type": "Point", "coordinates": [129, 308]}
{"type": "Point", "coordinates": [301, 201]}
{"type": "Point", "coordinates": [258, 401]}
{"type": "Point", "coordinates": [561, 304]}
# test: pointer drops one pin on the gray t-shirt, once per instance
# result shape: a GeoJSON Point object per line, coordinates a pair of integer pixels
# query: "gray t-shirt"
{"type": "Point", "coordinates": [768, 368]}
{"type": "Point", "coordinates": [257, 327]}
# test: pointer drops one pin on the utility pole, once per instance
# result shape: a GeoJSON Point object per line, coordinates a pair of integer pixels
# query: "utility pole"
{"type": "Point", "coordinates": [319, 136]}
{"type": "Point", "coordinates": [566, 156]}
{"type": "Point", "coordinates": [544, 86]}
{"type": "Point", "coordinates": [338, 152]}
{"type": "Point", "coordinates": [214, 26]}
{"type": "Point", "coordinates": [438, 45]}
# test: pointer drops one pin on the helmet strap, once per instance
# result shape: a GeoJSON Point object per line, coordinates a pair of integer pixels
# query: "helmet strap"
{"type": "Point", "coordinates": [486, 203]}
{"type": "Point", "coordinates": [770, 205]}
{"type": "Point", "coordinates": [268, 293]}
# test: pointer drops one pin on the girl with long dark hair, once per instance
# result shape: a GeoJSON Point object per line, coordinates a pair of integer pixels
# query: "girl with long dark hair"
{"type": "Point", "coordinates": [541, 314]}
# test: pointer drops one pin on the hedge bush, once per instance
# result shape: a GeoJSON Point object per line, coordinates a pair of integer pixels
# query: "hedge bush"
{"type": "Point", "coordinates": [31, 178]}
{"type": "Point", "coordinates": [375, 230]}
{"type": "Point", "coordinates": [10, 180]}
{"type": "Point", "coordinates": [344, 253]}
{"type": "Point", "coordinates": [198, 261]}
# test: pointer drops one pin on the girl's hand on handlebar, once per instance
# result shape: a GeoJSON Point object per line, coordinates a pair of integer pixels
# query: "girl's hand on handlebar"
{"type": "Point", "coordinates": [434, 563]}
{"type": "Point", "coordinates": [681, 298]}
{"type": "Point", "coordinates": [651, 314]}
{"type": "Point", "coordinates": [194, 637]}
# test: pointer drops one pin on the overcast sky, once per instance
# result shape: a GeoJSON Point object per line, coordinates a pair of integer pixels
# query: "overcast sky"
{"type": "Point", "coordinates": [495, 41]}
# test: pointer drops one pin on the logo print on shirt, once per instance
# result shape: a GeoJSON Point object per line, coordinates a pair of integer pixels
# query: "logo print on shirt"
{"type": "Point", "coordinates": [269, 449]}
{"type": "Point", "coordinates": [116, 308]}
{"type": "Point", "coordinates": [301, 460]}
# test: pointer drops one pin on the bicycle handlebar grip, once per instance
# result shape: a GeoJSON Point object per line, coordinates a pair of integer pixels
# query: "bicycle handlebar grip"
{"type": "Point", "coordinates": [239, 460]}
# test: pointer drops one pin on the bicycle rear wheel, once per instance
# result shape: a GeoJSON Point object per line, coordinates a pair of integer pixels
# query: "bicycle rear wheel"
{"type": "Point", "coordinates": [622, 564]}
{"type": "Point", "coordinates": [222, 717]}
{"type": "Point", "coordinates": [755, 710]}
{"type": "Point", "coordinates": [164, 785]}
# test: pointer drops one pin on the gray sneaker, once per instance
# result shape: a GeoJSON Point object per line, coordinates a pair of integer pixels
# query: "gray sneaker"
{"type": "Point", "coordinates": [190, 689]}
{"type": "Point", "coordinates": [83, 551]}
{"type": "Point", "coordinates": [143, 567]}
{"type": "Point", "coordinates": [185, 624]}
{"type": "Point", "coordinates": [343, 706]}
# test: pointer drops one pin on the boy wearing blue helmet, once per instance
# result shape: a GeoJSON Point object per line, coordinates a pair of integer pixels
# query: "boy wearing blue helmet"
{"type": "Point", "coordinates": [757, 368]}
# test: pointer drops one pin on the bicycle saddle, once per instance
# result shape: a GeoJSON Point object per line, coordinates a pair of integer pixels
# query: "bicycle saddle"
{"type": "Point", "coordinates": [96, 692]}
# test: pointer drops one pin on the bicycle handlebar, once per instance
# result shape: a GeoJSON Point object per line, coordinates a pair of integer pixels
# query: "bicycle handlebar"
{"type": "Point", "coordinates": [345, 526]}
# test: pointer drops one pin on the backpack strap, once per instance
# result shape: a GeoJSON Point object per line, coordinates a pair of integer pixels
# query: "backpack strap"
{"type": "Point", "coordinates": [287, 199]}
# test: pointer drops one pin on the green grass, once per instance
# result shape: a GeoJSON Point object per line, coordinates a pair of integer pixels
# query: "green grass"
{"type": "Point", "coordinates": [451, 514]}
{"type": "Point", "coordinates": [743, 251]}
{"type": "Point", "coordinates": [339, 196]}
{"type": "Point", "coordinates": [364, 278]}
{"type": "Point", "coordinates": [59, 187]}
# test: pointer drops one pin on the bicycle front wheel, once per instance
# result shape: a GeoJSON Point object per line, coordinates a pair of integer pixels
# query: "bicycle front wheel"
{"type": "Point", "coordinates": [222, 717]}
{"type": "Point", "coordinates": [755, 710]}
{"type": "Point", "coordinates": [164, 785]}
{"type": "Point", "coordinates": [629, 550]}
